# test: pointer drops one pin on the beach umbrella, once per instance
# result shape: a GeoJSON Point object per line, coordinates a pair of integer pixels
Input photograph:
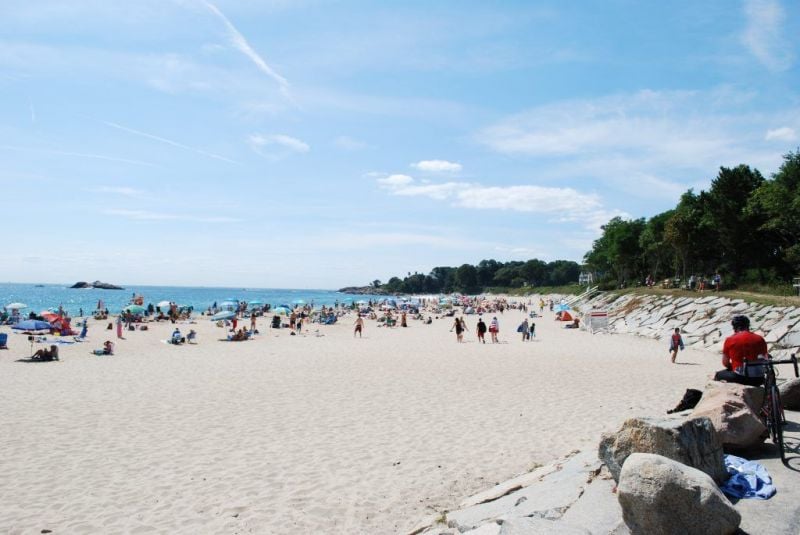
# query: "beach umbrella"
{"type": "Point", "coordinates": [282, 310]}
{"type": "Point", "coordinates": [32, 325]}
{"type": "Point", "coordinates": [16, 306]}
{"type": "Point", "coordinates": [163, 304]}
{"type": "Point", "coordinates": [229, 304]}
{"type": "Point", "coordinates": [134, 309]}
{"type": "Point", "coordinates": [49, 316]}
{"type": "Point", "coordinates": [224, 315]}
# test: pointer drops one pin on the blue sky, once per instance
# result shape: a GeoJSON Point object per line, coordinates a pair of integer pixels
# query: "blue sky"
{"type": "Point", "coordinates": [316, 144]}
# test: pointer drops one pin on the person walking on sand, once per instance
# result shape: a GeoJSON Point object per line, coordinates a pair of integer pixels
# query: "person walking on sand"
{"type": "Point", "coordinates": [532, 333]}
{"type": "Point", "coordinates": [675, 343]}
{"type": "Point", "coordinates": [253, 321]}
{"type": "Point", "coordinates": [523, 328]}
{"type": "Point", "coordinates": [494, 328]}
{"type": "Point", "coordinates": [459, 330]}
{"type": "Point", "coordinates": [119, 326]}
{"type": "Point", "coordinates": [481, 330]}
{"type": "Point", "coordinates": [359, 327]}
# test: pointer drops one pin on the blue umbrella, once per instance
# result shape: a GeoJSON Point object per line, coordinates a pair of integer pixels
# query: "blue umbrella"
{"type": "Point", "coordinates": [224, 315]}
{"type": "Point", "coordinates": [561, 308]}
{"type": "Point", "coordinates": [229, 304]}
{"type": "Point", "coordinates": [282, 310]}
{"type": "Point", "coordinates": [32, 325]}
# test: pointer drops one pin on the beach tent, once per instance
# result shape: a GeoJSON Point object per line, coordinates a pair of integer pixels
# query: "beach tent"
{"type": "Point", "coordinates": [566, 316]}
{"type": "Point", "coordinates": [224, 315]}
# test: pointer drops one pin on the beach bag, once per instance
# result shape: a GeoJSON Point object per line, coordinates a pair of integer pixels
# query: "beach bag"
{"type": "Point", "coordinates": [689, 401]}
{"type": "Point", "coordinates": [520, 328]}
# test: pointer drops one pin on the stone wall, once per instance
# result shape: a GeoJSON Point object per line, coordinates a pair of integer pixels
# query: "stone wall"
{"type": "Point", "coordinates": [705, 321]}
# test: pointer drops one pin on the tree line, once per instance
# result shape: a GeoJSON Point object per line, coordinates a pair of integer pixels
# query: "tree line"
{"type": "Point", "coordinates": [474, 279]}
{"type": "Point", "coordinates": [745, 227]}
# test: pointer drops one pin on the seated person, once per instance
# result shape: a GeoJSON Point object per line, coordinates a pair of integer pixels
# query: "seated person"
{"type": "Point", "coordinates": [743, 345]}
{"type": "Point", "coordinates": [46, 354]}
{"type": "Point", "coordinates": [176, 337]}
{"type": "Point", "coordinates": [108, 348]}
{"type": "Point", "coordinates": [576, 323]}
{"type": "Point", "coordinates": [192, 336]}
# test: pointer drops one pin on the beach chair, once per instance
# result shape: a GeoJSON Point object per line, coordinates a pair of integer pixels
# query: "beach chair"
{"type": "Point", "coordinates": [3, 341]}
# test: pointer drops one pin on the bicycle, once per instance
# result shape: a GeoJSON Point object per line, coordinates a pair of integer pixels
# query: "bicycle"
{"type": "Point", "coordinates": [772, 410]}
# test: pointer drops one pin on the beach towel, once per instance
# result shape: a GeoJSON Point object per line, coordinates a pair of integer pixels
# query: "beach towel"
{"type": "Point", "coordinates": [748, 479]}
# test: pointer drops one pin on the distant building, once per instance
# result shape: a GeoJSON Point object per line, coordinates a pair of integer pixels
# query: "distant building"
{"type": "Point", "coordinates": [586, 277]}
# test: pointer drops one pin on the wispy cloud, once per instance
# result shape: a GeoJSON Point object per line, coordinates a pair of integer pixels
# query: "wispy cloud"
{"type": "Point", "coordinates": [781, 134]}
{"type": "Point", "coordinates": [349, 143]}
{"type": "Point", "coordinates": [241, 44]}
{"type": "Point", "coordinates": [664, 141]}
{"type": "Point", "coordinates": [144, 215]}
{"type": "Point", "coordinates": [169, 142]}
{"type": "Point", "coordinates": [56, 152]}
{"type": "Point", "coordinates": [260, 142]}
{"type": "Point", "coordinates": [437, 166]}
{"type": "Point", "coordinates": [559, 204]}
{"type": "Point", "coordinates": [118, 190]}
{"type": "Point", "coordinates": [764, 36]}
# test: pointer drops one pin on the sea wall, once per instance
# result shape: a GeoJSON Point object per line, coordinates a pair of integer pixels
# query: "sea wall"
{"type": "Point", "coordinates": [705, 321]}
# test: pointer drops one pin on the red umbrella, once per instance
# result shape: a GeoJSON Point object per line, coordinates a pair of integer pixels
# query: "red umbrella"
{"type": "Point", "coordinates": [49, 316]}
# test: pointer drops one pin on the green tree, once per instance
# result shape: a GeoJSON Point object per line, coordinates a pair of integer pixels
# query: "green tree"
{"type": "Point", "coordinates": [617, 251]}
{"type": "Point", "coordinates": [466, 279]}
{"type": "Point", "coordinates": [656, 252]}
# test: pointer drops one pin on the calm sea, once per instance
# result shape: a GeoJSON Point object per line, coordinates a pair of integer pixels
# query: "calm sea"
{"type": "Point", "coordinates": [40, 297]}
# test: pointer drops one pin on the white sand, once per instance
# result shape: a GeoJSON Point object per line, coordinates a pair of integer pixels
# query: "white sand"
{"type": "Point", "coordinates": [289, 434]}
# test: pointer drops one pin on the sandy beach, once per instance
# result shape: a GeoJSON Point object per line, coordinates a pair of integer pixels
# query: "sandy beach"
{"type": "Point", "coordinates": [307, 434]}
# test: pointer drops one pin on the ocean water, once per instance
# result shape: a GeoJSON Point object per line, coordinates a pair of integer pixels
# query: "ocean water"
{"type": "Point", "coordinates": [44, 296]}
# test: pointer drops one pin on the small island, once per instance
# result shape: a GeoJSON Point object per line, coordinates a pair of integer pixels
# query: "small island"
{"type": "Point", "coordinates": [96, 284]}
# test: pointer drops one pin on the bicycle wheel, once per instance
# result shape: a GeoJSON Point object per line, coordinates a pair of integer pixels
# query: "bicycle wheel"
{"type": "Point", "coordinates": [776, 420]}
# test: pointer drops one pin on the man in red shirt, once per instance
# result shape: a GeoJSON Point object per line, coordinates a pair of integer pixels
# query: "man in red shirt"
{"type": "Point", "coordinates": [739, 347]}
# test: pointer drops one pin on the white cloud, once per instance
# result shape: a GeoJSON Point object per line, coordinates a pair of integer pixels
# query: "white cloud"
{"type": "Point", "coordinates": [144, 215]}
{"type": "Point", "coordinates": [763, 34]}
{"type": "Point", "coordinates": [118, 190]}
{"type": "Point", "coordinates": [661, 141]}
{"type": "Point", "coordinates": [348, 143]}
{"type": "Point", "coordinates": [559, 204]}
{"type": "Point", "coordinates": [394, 181]}
{"type": "Point", "coordinates": [781, 134]}
{"type": "Point", "coordinates": [437, 166]}
{"type": "Point", "coordinates": [258, 141]}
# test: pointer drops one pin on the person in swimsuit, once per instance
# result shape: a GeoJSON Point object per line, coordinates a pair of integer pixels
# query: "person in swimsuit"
{"type": "Point", "coordinates": [459, 330]}
{"type": "Point", "coordinates": [359, 327]}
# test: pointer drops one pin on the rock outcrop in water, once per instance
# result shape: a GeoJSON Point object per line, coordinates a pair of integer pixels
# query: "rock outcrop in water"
{"type": "Point", "coordinates": [96, 284]}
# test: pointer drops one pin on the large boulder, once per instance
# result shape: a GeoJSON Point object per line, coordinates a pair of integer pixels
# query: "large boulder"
{"type": "Point", "coordinates": [692, 442]}
{"type": "Point", "coordinates": [734, 411]}
{"type": "Point", "coordinates": [790, 394]}
{"type": "Point", "coordinates": [660, 496]}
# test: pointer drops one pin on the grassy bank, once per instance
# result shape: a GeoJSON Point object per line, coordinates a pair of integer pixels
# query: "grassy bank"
{"type": "Point", "coordinates": [745, 294]}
